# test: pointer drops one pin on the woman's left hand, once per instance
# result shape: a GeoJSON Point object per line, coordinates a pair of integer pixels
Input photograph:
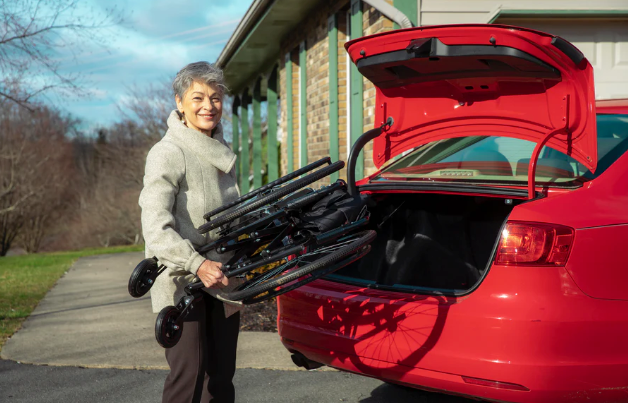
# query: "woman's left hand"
{"type": "Point", "coordinates": [210, 273]}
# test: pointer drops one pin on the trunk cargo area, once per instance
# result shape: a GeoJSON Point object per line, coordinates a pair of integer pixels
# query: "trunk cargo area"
{"type": "Point", "coordinates": [429, 241]}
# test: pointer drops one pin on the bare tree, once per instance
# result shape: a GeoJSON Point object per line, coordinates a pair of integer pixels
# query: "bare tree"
{"type": "Point", "coordinates": [35, 157]}
{"type": "Point", "coordinates": [11, 157]}
{"type": "Point", "coordinates": [52, 196]}
{"type": "Point", "coordinates": [120, 181]}
{"type": "Point", "coordinates": [149, 106]}
{"type": "Point", "coordinates": [32, 32]}
{"type": "Point", "coordinates": [111, 169]}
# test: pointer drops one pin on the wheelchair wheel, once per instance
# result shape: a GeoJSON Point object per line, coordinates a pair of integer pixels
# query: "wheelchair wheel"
{"type": "Point", "coordinates": [260, 258]}
{"type": "Point", "coordinates": [315, 275]}
{"type": "Point", "coordinates": [167, 332]}
{"type": "Point", "coordinates": [271, 197]}
{"type": "Point", "coordinates": [142, 277]}
{"type": "Point", "coordinates": [289, 275]}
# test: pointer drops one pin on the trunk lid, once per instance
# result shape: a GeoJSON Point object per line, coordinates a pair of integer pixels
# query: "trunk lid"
{"type": "Point", "coordinates": [455, 81]}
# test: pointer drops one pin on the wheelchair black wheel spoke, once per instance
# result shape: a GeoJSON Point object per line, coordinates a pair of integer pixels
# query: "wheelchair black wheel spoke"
{"type": "Point", "coordinates": [282, 278]}
{"type": "Point", "coordinates": [315, 275]}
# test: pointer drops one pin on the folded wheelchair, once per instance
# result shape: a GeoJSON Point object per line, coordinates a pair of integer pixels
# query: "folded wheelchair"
{"type": "Point", "coordinates": [280, 236]}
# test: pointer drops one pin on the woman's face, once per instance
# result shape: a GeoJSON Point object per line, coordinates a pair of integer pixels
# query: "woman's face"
{"type": "Point", "coordinates": [202, 107]}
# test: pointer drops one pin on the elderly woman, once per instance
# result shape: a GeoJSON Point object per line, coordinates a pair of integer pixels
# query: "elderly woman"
{"type": "Point", "coordinates": [188, 173]}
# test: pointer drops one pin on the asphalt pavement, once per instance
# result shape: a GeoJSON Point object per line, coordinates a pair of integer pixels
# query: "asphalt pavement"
{"type": "Point", "coordinates": [89, 341]}
{"type": "Point", "coordinates": [23, 383]}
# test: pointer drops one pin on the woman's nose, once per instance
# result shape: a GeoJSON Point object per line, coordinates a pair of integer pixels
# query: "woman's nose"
{"type": "Point", "coordinates": [209, 105]}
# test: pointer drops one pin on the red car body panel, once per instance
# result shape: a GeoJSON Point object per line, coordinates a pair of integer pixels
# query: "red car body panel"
{"type": "Point", "coordinates": [524, 333]}
{"type": "Point", "coordinates": [600, 248]}
{"type": "Point", "coordinates": [531, 327]}
{"type": "Point", "coordinates": [526, 104]}
{"type": "Point", "coordinates": [600, 202]}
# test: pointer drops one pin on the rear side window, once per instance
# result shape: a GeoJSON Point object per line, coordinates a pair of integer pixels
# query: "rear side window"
{"type": "Point", "coordinates": [494, 159]}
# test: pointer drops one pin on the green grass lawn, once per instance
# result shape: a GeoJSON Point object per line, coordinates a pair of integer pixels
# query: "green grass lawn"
{"type": "Point", "coordinates": [25, 280]}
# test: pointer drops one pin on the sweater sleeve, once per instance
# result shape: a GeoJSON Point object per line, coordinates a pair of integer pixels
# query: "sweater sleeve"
{"type": "Point", "coordinates": [165, 168]}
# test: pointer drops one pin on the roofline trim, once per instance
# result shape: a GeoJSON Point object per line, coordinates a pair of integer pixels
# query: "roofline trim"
{"type": "Point", "coordinates": [251, 16]}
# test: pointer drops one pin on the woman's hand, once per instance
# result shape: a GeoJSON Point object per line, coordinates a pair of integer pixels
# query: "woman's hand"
{"type": "Point", "coordinates": [211, 275]}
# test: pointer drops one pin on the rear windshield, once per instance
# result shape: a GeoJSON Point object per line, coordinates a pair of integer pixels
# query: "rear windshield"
{"type": "Point", "coordinates": [505, 160]}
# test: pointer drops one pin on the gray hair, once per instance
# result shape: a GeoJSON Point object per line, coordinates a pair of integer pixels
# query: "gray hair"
{"type": "Point", "coordinates": [203, 72]}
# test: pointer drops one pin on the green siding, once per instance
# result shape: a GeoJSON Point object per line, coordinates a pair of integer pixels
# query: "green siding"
{"type": "Point", "coordinates": [289, 131]}
{"type": "Point", "coordinates": [332, 34]}
{"type": "Point", "coordinates": [244, 125]}
{"type": "Point", "coordinates": [409, 8]}
{"type": "Point", "coordinates": [235, 142]}
{"type": "Point", "coordinates": [257, 135]}
{"type": "Point", "coordinates": [271, 138]}
{"type": "Point", "coordinates": [356, 89]}
{"type": "Point", "coordinates": [303, 103]}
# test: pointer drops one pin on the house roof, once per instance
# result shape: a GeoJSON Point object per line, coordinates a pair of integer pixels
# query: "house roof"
{"type": "Point", "coordinates": [255, 44]}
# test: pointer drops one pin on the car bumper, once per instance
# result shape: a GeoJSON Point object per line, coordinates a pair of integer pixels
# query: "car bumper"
{"type": "Point", "coordinates": [531, 328]}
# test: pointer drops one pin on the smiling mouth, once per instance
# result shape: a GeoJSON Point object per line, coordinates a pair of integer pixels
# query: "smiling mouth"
{"type": "Point", "coordinates": [207, 116]}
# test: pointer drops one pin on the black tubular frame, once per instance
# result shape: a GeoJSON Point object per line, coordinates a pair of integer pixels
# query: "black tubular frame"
{"type": "Point", "coordinates": [246, 229]}
{"type": "Point", "coordinates": [268, 186]}
{"type": "Point", "coordinates": [273, 195]}
{"type": "Point", "coordinates": [355, 151]}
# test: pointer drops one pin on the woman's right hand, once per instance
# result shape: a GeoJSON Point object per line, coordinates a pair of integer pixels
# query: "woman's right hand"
{"type": "Point", "coordinates": [211, 275]}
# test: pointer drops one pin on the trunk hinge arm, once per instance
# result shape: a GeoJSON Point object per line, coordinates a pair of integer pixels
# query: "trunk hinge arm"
{"type": "Point", "coordinates": [540, 145]}
{"type": "Point", "coordinates": [355, 151]}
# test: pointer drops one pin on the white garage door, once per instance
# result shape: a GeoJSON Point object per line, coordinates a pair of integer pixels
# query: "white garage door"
{"type": "Point", "coordinates": [604, 43]}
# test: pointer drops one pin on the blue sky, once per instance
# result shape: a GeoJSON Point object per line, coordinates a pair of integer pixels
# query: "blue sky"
{"type": "Point", "coordinates": [157, 38]}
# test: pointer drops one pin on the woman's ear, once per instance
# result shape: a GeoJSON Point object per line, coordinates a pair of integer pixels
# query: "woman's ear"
{"type": "Point", "coordinates": [179, 104]}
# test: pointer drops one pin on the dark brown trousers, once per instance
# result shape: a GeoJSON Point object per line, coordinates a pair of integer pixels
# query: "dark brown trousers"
{"type": "Point", "coordinates": [202, 364]}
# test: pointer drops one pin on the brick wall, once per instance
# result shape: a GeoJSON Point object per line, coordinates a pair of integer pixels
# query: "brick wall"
{"type": "Point", "coordinates": [283, 104]}
{"type": "Point", "coordinates": [314, 32]}
{"type": "Point", "coordinates": [373, 22]}
{"type": "Point", "coordinates": [318, 93]}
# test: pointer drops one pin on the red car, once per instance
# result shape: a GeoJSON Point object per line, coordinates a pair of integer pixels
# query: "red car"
{"type": "Point", "coordinates": [501, 207]}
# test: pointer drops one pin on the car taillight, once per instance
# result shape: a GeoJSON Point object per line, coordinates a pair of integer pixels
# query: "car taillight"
{"type": "Point", "coordinates": [534, 244]}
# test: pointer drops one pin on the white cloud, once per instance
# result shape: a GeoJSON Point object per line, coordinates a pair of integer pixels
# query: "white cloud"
{"type": "Point", "coordinates": [158, 38]}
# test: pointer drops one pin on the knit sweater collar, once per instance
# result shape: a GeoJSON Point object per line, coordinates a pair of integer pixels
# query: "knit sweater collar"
{"type": "Point", "coordinates": [209, 149]}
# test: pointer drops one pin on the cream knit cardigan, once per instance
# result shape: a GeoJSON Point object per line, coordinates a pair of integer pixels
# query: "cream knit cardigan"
{"type": "Point", "coordinates": [187, 175]}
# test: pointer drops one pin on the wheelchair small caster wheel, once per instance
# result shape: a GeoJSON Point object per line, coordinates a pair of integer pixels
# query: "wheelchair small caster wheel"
{"type": "Point", "coordinates": [167, 332]}
{"type": "Point", "coordinates": [143, 277]}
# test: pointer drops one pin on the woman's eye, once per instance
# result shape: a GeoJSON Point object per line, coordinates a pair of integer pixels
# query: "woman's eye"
{"type": "Point", "coordinates": [196, 98]}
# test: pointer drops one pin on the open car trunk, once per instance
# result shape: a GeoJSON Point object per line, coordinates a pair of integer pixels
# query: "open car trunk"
{"type": "Point", "coordinates": [429, 242]}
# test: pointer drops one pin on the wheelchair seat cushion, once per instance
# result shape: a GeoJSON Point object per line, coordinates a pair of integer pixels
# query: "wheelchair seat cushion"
{"type": "Point", "coordinates": [332, 211]}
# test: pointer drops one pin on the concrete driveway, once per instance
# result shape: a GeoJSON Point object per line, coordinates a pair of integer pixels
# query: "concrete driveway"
{"type": "Point", "coordinates": [89, 320]}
